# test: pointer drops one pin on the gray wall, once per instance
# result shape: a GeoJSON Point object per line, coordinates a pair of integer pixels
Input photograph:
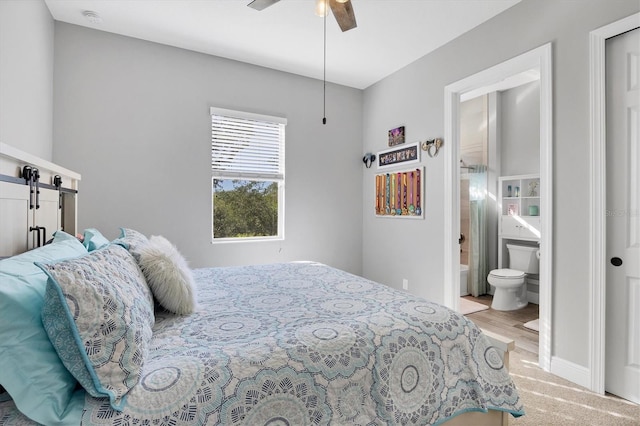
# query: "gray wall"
{"type": "Point", "coordinates": [26, 76]}
{"type": "Point", "coordinates": [133, 118]}
{"type": "Point", "coordinates": [396, 249]}
{"type": "Point", "coordinates": [520, 130]}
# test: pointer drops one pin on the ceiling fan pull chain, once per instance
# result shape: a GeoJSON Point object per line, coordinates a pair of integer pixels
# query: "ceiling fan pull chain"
{"type": "Point", "coordinates": [324, 68]}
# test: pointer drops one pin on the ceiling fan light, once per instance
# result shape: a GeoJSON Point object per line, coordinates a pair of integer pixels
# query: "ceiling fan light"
{"type": "Point", "coordinates": [342, 1]}
{"type": "Point", "coordinates": [321, 8]}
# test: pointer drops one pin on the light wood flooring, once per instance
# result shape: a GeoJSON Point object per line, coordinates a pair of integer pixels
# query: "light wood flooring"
{"type": "Point", "coordinates": [508, 323]}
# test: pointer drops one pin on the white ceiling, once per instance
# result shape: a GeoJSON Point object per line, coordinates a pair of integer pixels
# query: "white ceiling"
{"type": "Point", "coordinates": [288, 36]}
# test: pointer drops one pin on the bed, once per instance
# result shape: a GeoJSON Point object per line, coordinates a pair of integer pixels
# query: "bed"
{"type": "Point", "coordinates": [122, 332]}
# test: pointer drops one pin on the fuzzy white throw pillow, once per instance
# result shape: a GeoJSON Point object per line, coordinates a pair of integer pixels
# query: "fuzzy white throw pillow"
{"type": "Point", "coordinates": [168, 275]}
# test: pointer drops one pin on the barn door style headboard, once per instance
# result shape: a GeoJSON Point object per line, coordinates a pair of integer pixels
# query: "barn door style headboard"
{"type": "Point", "coordinates": [37, 198]}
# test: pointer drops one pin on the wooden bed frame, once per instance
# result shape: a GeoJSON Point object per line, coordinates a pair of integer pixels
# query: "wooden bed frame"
{"type": "Point", "coordinates": [60, 211]}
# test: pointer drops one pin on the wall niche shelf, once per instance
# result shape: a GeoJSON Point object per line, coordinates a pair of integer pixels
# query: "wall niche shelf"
{"type": "Point", "coordinates": [519, 211]}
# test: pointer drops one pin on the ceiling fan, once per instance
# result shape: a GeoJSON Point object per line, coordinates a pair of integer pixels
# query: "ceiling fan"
{"type": "Point", "coordinates": [342, 11]}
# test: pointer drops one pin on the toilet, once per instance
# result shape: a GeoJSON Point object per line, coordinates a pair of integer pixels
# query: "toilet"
{"type": "Point", "coordinates": [511, 284]}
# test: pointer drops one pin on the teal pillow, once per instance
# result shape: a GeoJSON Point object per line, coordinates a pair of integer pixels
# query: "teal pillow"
{"type": "Point", "coordinates": [30, 369]}
{"type": "Point", "coordinates": [64, 246]}
{"type": "Point", "coordinates": [98, 313]}
{"type": "Point", "coordinates": [60, 235]}
{"type": "Point", "coordinates": [93, 239]}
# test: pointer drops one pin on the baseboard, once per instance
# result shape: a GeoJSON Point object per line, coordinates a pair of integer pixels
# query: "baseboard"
{"type": "Point", "coordinates": [573, 372]}
{"type": "Point", "coordinates": [533, 297]}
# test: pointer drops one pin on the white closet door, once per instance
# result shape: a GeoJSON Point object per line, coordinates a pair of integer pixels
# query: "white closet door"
{"type": "Point", "coordinates": [622, 374]}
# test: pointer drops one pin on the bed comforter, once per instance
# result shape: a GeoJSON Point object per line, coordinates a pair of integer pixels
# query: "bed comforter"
{"type": "Point", "coordinates": [307, 344]}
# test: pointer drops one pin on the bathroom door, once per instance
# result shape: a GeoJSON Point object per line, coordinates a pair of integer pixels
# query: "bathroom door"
{"type": "Point", "coordinates": [622, 373]}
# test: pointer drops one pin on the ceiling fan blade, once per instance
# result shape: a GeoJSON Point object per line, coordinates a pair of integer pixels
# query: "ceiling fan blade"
{"type": "Point", "coordinates": [262, 4]}
{"type": "Point", "coordinates": [343, 12]}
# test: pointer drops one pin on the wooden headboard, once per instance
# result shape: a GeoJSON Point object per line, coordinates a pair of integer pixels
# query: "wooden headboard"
{"type": "Point", "coordinates": [37, 198]}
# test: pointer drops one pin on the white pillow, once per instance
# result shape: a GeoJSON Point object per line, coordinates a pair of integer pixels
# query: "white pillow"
{"type": "Point", "coordinates": [168, 275]}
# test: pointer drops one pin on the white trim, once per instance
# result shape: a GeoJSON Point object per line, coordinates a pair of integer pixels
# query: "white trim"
{"type": "Point", "coordinates": [598, 237]}
{"type": "Point", "coordinates": [539, 58]}
{"type": "Point", "coordinates": [247, 115]}
{"type": "Point", "coordinates": [451, 198]}
{"type": "Point", "coordinates": [546, 208]}
{"type": "Point", "coordinates": [575, 373]}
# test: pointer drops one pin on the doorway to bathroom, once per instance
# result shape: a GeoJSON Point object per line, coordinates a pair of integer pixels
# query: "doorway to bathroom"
{"type": "Point", "coordinates": [528, 72]}
{"type": "Point", "coordinates": [510, 114]}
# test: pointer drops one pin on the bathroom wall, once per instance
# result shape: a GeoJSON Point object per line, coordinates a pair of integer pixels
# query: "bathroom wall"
{"type": "Point", "coordinates": [520, 130]}
{"type": "Point", "coordinates": [473, 131]}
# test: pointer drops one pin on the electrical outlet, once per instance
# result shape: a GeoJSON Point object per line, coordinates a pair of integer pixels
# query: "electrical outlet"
{"type": "Point", "coordinates": [405, 284]}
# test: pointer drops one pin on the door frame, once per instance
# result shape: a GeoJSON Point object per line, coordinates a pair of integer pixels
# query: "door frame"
{"type": "Point", "coordinates": [598, 225]}
{"type": "Point", "coordinates": [539, 59]}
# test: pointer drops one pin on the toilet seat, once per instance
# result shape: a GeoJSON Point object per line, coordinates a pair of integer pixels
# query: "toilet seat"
{"type": "Point", "coordinates": [506, 277]}
{"type": "Point", "coordinates": [507, 273]}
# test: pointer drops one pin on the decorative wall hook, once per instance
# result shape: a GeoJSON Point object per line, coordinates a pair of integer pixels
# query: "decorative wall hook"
{"type": "Point", "coordinates": [433, 143]}
{"type": "Point", "coordinates": [368, 159]}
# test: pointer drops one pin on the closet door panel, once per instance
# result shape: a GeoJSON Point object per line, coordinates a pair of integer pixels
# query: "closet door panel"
{"type": "Point", "coordinates": [15, 219]}
{"type": "Point", "coordinates": [48, 215]}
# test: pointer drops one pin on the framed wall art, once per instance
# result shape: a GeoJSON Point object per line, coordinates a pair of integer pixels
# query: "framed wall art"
{"type": "Point", "coordinates": [400, 193]}
{"type": "Point", "coordinates": [396, 136]}
{"type": "Point", "coordinates": [407, 154]}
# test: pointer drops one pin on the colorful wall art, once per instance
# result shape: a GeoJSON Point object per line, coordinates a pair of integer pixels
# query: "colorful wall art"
{"type": "Point", "coordinates": [399, 156]}
{"type": "Point", "coordinates": [400, 193]}
{"type": "Point", "coordinates": [396, 136]}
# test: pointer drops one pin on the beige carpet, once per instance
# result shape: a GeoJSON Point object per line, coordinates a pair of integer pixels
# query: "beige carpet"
{"type": "Point", "coordinates": [550, 400]}
{"type": "Point", "coordinates": [469, 306]}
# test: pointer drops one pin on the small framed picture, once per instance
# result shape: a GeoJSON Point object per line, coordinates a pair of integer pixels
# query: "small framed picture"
{"type": "Point", "coordinates": [396, 136]}
{"type": "Point", "coordinates": [512, 209]}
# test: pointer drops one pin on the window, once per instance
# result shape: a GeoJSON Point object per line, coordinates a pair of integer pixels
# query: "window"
{"type": "Point", "coordinates": [247, 175]}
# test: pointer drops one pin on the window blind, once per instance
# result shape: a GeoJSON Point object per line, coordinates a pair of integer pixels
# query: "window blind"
{"type": "Point", "coordinates": [246, 145]}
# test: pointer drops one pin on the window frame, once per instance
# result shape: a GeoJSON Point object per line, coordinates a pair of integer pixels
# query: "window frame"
{"type": "Point", "coordinates": [279, 177]}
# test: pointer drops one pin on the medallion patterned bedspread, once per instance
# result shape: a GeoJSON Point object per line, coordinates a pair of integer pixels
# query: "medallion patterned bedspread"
{"type": "Point", "coordinates": [306, 344]}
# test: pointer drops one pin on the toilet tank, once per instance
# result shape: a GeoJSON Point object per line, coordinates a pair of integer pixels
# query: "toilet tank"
{"type": "Point", "coordinates": [523, 258]}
